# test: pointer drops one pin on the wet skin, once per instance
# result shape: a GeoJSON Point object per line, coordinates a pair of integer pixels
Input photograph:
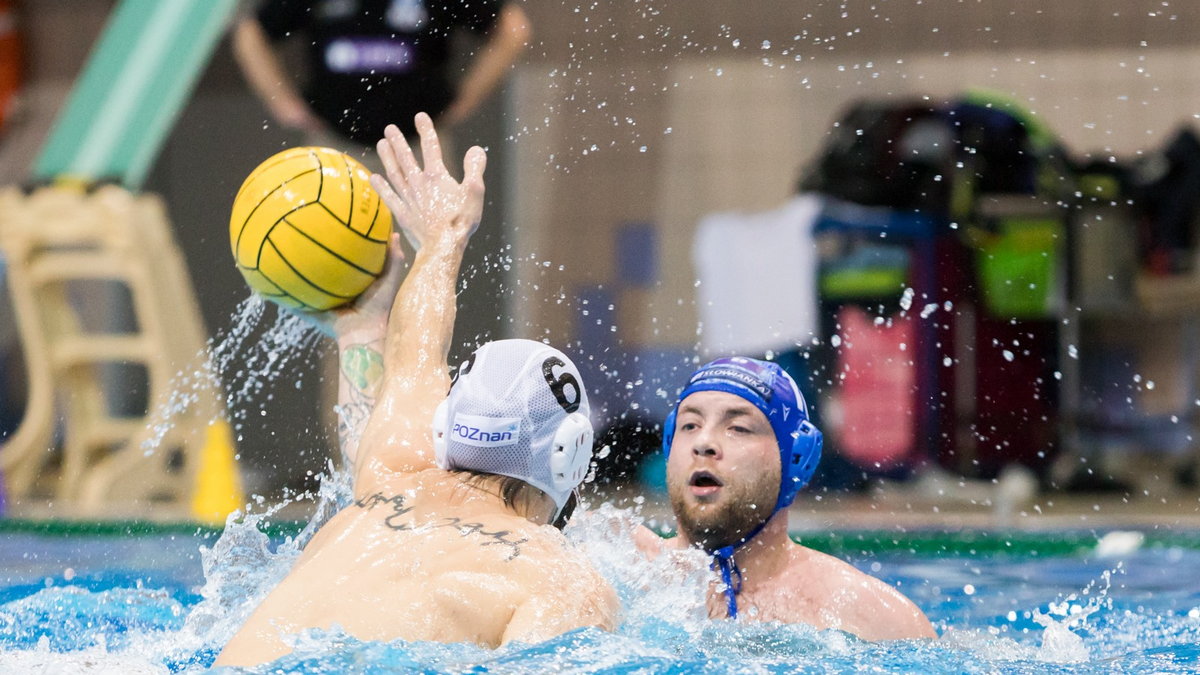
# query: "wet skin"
{"type": "Point", "coordinates": [723, 478]}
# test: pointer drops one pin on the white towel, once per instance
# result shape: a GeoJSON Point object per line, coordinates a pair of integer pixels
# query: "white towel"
{"type": "Point", "coordinates": [757, 275]}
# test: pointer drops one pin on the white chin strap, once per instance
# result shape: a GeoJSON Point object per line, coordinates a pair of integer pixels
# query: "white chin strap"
{"type": "Point", "coordinates": [570, 458]}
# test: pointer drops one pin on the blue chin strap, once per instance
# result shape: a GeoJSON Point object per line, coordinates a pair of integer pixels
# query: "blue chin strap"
{"type": "Point", "coordinates": [723, 561]}
{"type": "Point", "coordinates": [773, 392]}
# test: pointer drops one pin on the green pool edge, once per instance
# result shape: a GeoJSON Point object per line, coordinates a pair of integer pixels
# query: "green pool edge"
{"type": "Point", "coordinates": [842, 543]}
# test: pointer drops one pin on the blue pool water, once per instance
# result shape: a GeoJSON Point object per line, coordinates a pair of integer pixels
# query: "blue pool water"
{"type": "Point", "coordinates": [166, 602]}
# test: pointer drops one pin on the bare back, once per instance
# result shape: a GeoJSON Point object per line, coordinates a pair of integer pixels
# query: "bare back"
{"type": "Point", "coordinates": [408, 563]}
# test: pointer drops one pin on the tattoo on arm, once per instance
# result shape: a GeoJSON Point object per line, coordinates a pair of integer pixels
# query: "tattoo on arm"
{"type": "Point", "coordinates": [362, 364]}
{"type": "Point", "coordinates": [360, 373]}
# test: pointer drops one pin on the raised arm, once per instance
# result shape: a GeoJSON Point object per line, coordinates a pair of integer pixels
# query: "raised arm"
{"type": "Point", "coordinates": [360, 330]}
{"type": "Point", "coordinates": [439, 214]}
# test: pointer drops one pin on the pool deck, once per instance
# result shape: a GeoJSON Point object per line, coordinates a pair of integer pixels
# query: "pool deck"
{"type": "Point", "coordinates": [1051, 511]}
{"type": "Point", "coordinates": [900, 507]}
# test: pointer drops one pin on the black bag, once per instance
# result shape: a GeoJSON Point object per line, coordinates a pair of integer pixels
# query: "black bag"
{"type": "Point", "coordinates": [995, 145]}
{"type": "Point", "coordinates": [886, 154]}
{"type": "Point", "coordinates": [1165, 188]}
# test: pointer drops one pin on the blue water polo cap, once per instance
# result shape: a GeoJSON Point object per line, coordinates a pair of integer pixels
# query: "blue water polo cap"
{"type": "Point", "coordinates": [775, 393]}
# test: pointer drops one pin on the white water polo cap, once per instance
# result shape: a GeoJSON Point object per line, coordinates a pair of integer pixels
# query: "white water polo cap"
{"type": "Point", "coordinates": [517, 408]}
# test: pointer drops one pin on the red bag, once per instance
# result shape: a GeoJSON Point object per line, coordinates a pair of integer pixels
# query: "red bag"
{"type": "Point", "coordinates": [877, 394]}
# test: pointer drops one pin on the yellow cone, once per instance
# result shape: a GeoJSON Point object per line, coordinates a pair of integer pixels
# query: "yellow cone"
{"type": "Point", "coordinates": [218, 487]}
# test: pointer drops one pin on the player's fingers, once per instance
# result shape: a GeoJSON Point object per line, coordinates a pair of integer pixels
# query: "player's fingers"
{"type": "Point", "coordinates": [431, 147]}
{"type": "Point", "coordinates": [395, 252]}
{"type": "Point", "coordinates": [387, 157]}
{"type": "Point", "coordinates": [382, 292]}
{"type": "Point", "coordinates": [405, 159]}
{"type": "Point", "coordinates": [396, 203]}
{"type": "Point", "coordinates": [391, 165]}
{"type": "Point", "coordinates": [473, 165]}
{"type": "Point", "coordinates": [393, 269]}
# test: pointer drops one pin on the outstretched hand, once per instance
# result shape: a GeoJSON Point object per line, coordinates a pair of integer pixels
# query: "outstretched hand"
{"type": "Point", "coordinates": [427, 202]}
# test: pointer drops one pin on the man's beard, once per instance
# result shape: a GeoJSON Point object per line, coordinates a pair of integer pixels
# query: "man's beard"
{"type": "Point", "coordinates": [727, 521]}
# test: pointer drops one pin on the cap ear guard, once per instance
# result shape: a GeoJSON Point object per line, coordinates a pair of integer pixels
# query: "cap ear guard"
{"type": "Point", "coordinates": [441, 425]}
{"type": "Point", "coordinates": [803, 459]}
{"type": "Point", "coordinates": [571, 454]}
{"type": "Point", "coordinates": [668, 431]}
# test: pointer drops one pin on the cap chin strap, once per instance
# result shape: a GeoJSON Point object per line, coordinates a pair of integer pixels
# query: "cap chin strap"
{"type": "Point", "coordinates": [565, 513]}
{"type": "Point", "coordinates": [724, 563]}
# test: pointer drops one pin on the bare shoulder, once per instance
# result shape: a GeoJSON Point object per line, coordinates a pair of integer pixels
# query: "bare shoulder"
{"type": "Point", "coordinates": [551, 561]}
{"type": "Point", "coordinates": [868, 607]}
{"type": "Point", "coordinates": [566, 592]}
{"type": "Point", "coordinates": [648, 542]}
{"type": "Point", "coordinates": [651, 544]}
{"type": "Point", "coordinates": [397, 438]}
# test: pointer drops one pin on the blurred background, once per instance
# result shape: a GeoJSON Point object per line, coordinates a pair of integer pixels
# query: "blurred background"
{"type": "Point", "coordinates": [968, 229]}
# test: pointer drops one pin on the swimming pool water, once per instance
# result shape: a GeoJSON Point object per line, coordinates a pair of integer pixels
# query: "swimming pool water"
{"type": "Point", "coordinates": [157, 603]}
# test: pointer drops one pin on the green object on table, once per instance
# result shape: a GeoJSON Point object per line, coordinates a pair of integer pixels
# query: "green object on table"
{"type": "Point", "coordinates": [1018, 267]}
{"type": "Point", "coordinates": [870, 271]}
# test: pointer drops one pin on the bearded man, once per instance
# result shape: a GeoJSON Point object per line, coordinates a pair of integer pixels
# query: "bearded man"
{"type": "Point", "coordinates": [739, 447]}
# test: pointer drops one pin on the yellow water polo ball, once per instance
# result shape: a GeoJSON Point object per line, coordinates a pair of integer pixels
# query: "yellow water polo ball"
{"type": "Point", "coordinates": [307, 230]}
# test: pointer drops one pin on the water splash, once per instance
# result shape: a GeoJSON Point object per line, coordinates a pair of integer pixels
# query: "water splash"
{"type": "Point", "coordinates": [99, 630]}
{"type": "Point", "coordinates": [662, 600]}
{"type": "Point", "coordinates": [241, 568]}
{"type": "Point", "coordinates": [1065, 619]}
{"type": "Point", "coordinates": [663, 626]}
{"type": "Point", "coordinates": [260, 352]}
{"type": "Point", "coordinates": [263, 360]}
{"type": "Point", "coordinates": [93, 660]}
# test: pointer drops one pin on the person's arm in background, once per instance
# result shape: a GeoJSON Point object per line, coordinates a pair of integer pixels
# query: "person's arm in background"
{"type": "Point", "coordinates": [440, 215]}
{"type": "Point", "coordinates": [260, 64]}
{"type": "Point", "coordinates": [507, 39]}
